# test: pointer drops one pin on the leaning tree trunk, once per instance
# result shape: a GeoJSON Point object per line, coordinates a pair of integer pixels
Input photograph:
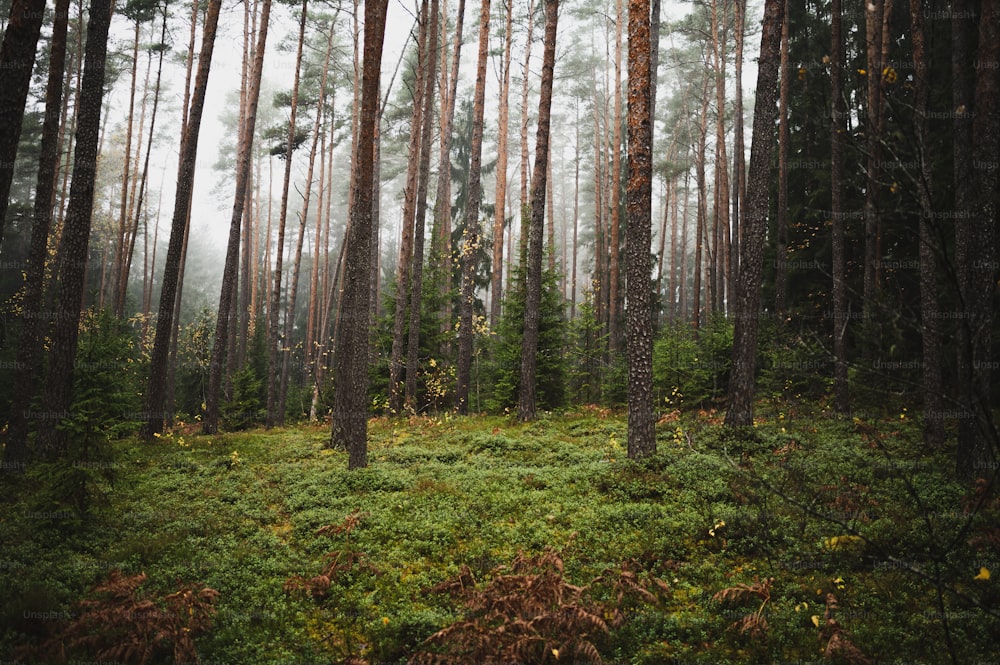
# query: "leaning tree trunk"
{"type": "Point", "coordinates": [527, 395]}
{"type": "Point", "coordinates": [350, 399]}
{"type": "Point", "coordinates": [155, 395]}
{"type": "Point", "coordinates": [73, 248]}
{"type": "Point", "coordinates": [638, 215]}
{"type": "Point", "coordinates": [471, 235]}
{"type": "Point", "coordinates": [17, 59]}
{"type": "Point", "coordinates": [747, 310]}
{"type": "Point", "coordinates": [244, 161]}
{"type": "Point", "coordinates": [29, 345]}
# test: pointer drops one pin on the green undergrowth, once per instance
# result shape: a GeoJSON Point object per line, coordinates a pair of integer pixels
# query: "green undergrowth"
{"type": "Point", "coordinates": [804, 539]}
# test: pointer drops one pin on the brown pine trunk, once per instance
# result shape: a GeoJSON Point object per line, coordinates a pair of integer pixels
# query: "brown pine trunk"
{"type": "Point", "coordinates": [499, 215]}
{"type": "Point", "coordinates": [244, 162]}
{"type": "Point", "coordinates": [350, 401]}
{"type": "Point", "coordinates": [723, 237]}
{"type": "Point", "coordinates": [525, 76]}
{"type": "Point", "coordinates": [17, 59]}
{"type": "Point", "coordinates": [471, 238]}
{"type": "Point", "coordinates": [747, 310]}
{"type": "Point", "coordinates": [118, 266]}
{"type": "Point", "coordinates": [614, 324]}
{"type": "Point", "coordinates": [400, 318]}
{"type": "Point", "coordinates": [739, 150]}
{"type": "Point", "coordinates": [413, 343]}
{"type": "Point", "coordinates": [839, 254]}
{"type": "Point", "coordinates": [527, 396]}
{"type": "Point", "coordinates": [29, 344]}
{"type": "Point", "coordinates": [156, 398]}
{"type": "Point", "coordinates": [639, 210]}
{"type": "Point", "coordinates": [781, 253]}
{"type": "Point", "coordinates": [701, 227]}
{"type": "Point", "coordinates": [73, 248]}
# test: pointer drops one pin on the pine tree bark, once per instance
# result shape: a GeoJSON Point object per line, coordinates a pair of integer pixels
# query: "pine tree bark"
{"type": "Point", "coordinates": [499, 215]}
{"type": "Point", "coordinates": [277, 345]}
{"type": "Point", "coordinates": [841, 396]}
{"type": "Point", "coordinates": [396, 366]}
{"type": "Point", "coordinates": [417, 287]}
{"type": "Point", "coordinates": [244, 161]}
{"type": "Point", "coordinates": [614, 308]}
{"type": "Point", "coordinates": [350, 408]}
{"type": "Point", "coordinates": [58, 396]}
{"type": "Point", "coordinates": [747, 310]}
{"type": "Point", "coordinates": [471, 239]}
{"type": "Point", "coordinates": [639, 210]}
{"type": "Point", "coordinates": [17, 59]}
{"type": "Point", "coordinates": [156, 399]}
{"type": "Point", "coordinates": [977, 256]}
{"type": "Point", "coordinates": [527, 395]}
{"type": "Point", "coordinates": [32, 329]}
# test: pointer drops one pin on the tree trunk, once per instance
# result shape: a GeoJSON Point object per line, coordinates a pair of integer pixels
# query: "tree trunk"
{"type": "Point", "coordinates": [525, 77]}
{"type": "Point", "coordinates": [396, 367]}
{"type": "Point", "coordinates": [32, 330]}
{"type": "Point", "coordinates": [781, 253]}
{"type": "Point", "coordinates": [229, 274]}
{"type": "Point", "coordinates": [614, 324]}
{"type": "Point", "coordinates": [471, 237]}
{"type": "Point", "coordinates": [739, 150]}
{"type": "Point", "coordinates": [155, 395]}
{"type": "Point", "coordinates": [276, 341]}
{"type": "Point", "coordinates": [933, 383]}
{"type": "Point", "coordinates": [873, 41]}
{"type": "Point", "coordinates": [17, 59]}
{"type": "Point", "coordinates": [838, 132]}
{"type": "Point", "coordinates": [639, 210]}
{"type": "Point", "coordinates": [499, 215]}
{"type": "Point", "coordinates": [73, 248]}
{"type": "Point", "coordinates": [416, 291]}
{"type": "Point", "coordinates": [527, 396]}
{"type": "Point", "coordinates": [350, 401]}
{"type": "Point", "coordinates": [747, 310]}
{"type": "Point", "coordinates": [975, 242]}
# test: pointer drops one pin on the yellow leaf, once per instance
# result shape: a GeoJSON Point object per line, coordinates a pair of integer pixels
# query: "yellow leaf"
{"type": "Point", "coordinates": [555, 652]}
{"type": "Point", "coordinates": [815, 620]}
{"type": "Point", "coordinates": [984, 574]}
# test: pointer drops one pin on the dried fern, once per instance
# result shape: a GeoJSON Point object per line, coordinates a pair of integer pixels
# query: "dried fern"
{"type": "Point", "coordinates": [753, 623]}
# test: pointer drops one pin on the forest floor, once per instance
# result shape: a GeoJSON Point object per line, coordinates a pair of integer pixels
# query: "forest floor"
{"type": "Point", "coordinates": [806, 539]}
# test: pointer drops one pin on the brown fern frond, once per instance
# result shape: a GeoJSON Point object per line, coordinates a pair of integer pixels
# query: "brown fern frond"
{"type": "Point", "coordinates": [345, 527]}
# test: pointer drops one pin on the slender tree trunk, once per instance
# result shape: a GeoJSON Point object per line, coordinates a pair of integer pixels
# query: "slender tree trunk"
{"type": "Point", "coordinates": [723, 237]}
{"type": "Point", "coordinates": [781, 253]}
{"type": "Point", "coordinates": [739, 151]}
{"type": "Point", "coordinates": [499, 215]}
{"type": "Point", "coordinates": [243, 164]}
{"type": "Point", "coordinates": [702, 223]}
{"type": "Point", "coordinates": [576, 213]}
{"type": "Point", "coordinates": [471, 237]}
{"type": "Point", "coordinates": [614, 323]}
{"type": "Point", "coordinates": [525, 77]}
{"type": "Point", "coordinates": [155, 395]}
{"type": "Point", "coordinates": [350, 414]}
{"type": "Point", "coordinates": [119, 260]}
{"type": "Point", "coordinates": [976, 247]}
{"type": "Point", "coordinates": [73, 247]}
{"type": "Point", "coordinates": [873, 29]}
{"type": "Point", "coordinates": [747, 310]}
{"type": "Point", "coordinates": [17, 59]}
{"type": "Point", "coordinates": [276, 345]}
{"type": "Point", "coordinates": [413, 343]}
{"type": "Point", "coordinates": [527, 397]}
{"type": "Point", "coordinates": [33, 328]}
{"type": "Point", "coordinates": [838, 131]}
{"type": "Point", "coordinates": [639, 210]}
{"type": "Point", "coordinates": [396, 367]}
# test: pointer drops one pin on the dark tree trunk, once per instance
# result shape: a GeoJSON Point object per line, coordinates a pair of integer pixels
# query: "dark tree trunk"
{"type": "Point", "coordinates": [837, 135]}
{"type": "Point", "coordinates": [156, 399]}
{"type": "Point", "coordinates": [17, 59]}
{"type": "Point", "coordinates": [76, 235]}
{"type": "Point", "coordinates": [471, 236]}
{"type": "Point", "coordinates": [417, 288]}
{"type": "Point", "coordinates": [527, 397]}
{"type": "Point", "coordinates": [976, 238]}
{"type": "Point", "coordinates": [784, 136]}
{"type": "Point", "coordinates": [933, 382]}
{"type": "Point", "coordinates": [32, 329]}
{"type": "Point", "coordinates": [639, 210]}
{"type": "Point", "coordinates": [243, 165]}
{"type": "Point", "coordinates": [747, 310]}
{"type": "Point", "coordinates": [350, 398]}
